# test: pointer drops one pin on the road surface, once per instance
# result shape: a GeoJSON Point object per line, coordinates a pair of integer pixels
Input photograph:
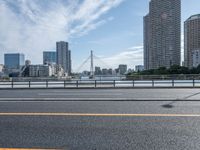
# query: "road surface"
{"type": "Point", "coordinates": [99, 119]}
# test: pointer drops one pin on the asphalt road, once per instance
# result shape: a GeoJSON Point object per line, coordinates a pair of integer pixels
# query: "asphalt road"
{"type": "Point", "coordinates": [101, 94]}
{"type": "Point", "coordinates": [97, 119]}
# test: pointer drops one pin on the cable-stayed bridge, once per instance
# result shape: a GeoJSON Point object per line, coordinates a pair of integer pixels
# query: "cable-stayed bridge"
{"type": "Point", "coordinates": [92, 61]}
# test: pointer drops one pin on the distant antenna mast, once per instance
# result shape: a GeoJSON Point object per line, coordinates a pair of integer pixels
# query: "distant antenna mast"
{"type": "Point", "coordinates": [92, 64]}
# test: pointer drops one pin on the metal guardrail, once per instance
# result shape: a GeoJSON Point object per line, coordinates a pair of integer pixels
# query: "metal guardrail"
{"type": "Point", "coordinates": [100, 84]}
{"type": "Point", "coordinates": [164, 77]}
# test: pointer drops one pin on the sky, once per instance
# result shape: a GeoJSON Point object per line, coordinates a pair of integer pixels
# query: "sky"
{"type": "Point", "coordinates": [113, 29]}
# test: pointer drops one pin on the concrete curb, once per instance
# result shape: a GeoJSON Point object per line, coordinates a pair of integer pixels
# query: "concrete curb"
{"type": "Point", "coordinates": [91, 88]}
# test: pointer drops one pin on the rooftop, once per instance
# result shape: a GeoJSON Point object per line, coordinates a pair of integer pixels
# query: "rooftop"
{"type": "Point", "coordinates": [193, 17]}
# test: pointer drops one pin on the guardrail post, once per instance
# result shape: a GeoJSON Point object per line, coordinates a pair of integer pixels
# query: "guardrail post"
{"type": "Point", "coordinates": [173, 83]}
{"type": "Point", "coordinates": [193, 83]}
{"type": "Point", "coordinates": [46, 84]}
{"type": "Point", "coordinates": [133, 83]}
{"type": "Point", "coordinates": [29, 84]}
{"type": "Point", "coordinates": [64, 83]}
{"type": "Point", "coordinates": [95, 83]}
{"type": "Point", "coordinates": [77, 83]}
{"type": "Point", "coordinates": [12, 83]}
{"type": "Point", "coordinates": [114, 83]}
{"type": "Point", "coordinates": [153, 83]}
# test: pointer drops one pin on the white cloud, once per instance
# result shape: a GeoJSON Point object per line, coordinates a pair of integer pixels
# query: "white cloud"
{"type": "Point", "coordinates": [131, 56]}
{"type": "Point", "coordinates": [32, 26]}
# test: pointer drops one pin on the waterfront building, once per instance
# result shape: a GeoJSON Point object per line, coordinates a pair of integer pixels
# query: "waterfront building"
{"type": "Point", "coordinates": [49, 57]}
{"type": "Point", "coordinates": [110, 71]}
{"type": "Point", "coordinates": [59, 71]}
{"type": "Point", "coordinates": [130, 70]}
{"type": "Point", "coordinates": [97, 70]}
{"type": "Point", "coordinates": [146, 51]}
{"type": "Point", "coordinates": [162, 34]}
{"type": "Point", "coordinates": [50, 70]}
{"type": "Point", "coordinates": [191, 40]}
{"type": "Point", "coordinates": [122, 69]}
{"type": "Point", "coordinates": [1, 67]}
{"type": "Point", "coordinates": [63, 56]}
{"type": "Point", "coordinates": [14, 60]}
{"type": "Point", "coordinates": [139, 68]}
{"type": "Point", "coordinates": [117, 72]}
{"type": "Point", "coordinates": [86, 73]}
{"type": "Point", "coordinates": [70, 62]}
{"type": "Point", "coordinates": [27, 63]}
{"type": "Point", "coordinates": [40, 71]}
{"type": "Point", "coordinates": [24, 72]}
{"type": "Point", "coordinates": [104, 71]}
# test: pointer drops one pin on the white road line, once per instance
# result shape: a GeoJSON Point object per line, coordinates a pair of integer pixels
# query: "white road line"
{"type": "Point", "coordinates": [99, 115]}
{"type": "Point", "coordinates": [80, 91]}
{"type": "Point", "coordinates": [75, 94]}
{"type": "Point", "coordinates": [90, 98]}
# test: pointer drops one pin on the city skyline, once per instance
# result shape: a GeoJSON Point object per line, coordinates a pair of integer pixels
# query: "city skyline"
{"type": "Point", "coordinates": [101, 36]}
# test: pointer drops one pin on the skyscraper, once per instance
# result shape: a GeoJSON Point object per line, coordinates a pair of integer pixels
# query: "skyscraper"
{"type": "Point", "coordinates": [70, 62]}
{"type": "Point", "coordinates": [146, 42]}
{"type": "Point", "coordinates": [14, 60]}
{"type": "Point", "coordinates": [63, 56]}
{"type": "Point", "coordinates": [49, 57]}
{"type": "Point", "coordinates": [162, 34]}
{"type": "Point", "coordinates": [191, 40]}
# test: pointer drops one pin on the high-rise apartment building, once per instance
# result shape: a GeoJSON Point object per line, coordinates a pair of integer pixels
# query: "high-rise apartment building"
{"type": "Point", "coordinates": [191, 40]}
{"type": "Point", "coordinates": [162, 34]}
{"type": "Point", "coordinates": [70, 62]}
{"type": "Point", "coordinates": [14, 60]}
{"type": "Point", "coordinates": [146, 42]}
{"type": "Point", "coordinates": [49, 57]}
{"type": "Point", "coordinates": [63, 56]}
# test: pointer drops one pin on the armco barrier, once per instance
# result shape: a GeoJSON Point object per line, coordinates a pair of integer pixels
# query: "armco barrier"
{"type": "Point", "coordinates": [100, 84]}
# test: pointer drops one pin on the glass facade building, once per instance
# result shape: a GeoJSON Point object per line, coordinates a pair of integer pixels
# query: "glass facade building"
{"type": "Point", "coordinates": [14, 60]}
{"type": "Point", "coordinates": [49, 57]}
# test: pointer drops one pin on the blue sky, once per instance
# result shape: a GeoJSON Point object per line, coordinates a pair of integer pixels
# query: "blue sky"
{"type": "Point", "coordinates": [113, 29]}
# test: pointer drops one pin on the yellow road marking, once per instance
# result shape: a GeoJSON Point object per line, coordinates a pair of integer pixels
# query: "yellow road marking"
{"type": "Point", "coordinates": [99, 115]}
{"type": "Point", "coordinates": [24, 149]}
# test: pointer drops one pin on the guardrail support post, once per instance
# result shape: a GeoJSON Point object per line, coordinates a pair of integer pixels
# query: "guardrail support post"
{"type": "Point", "coordinates": [95, 83]}
{"type": "Point", "coordinates": [12, 83]}
{"type": "Point", "coordinates": [64, 83]}
{"type": "Point", "coordinates": [29, 84]}
{"type": "Point", "coordinates": [77, 83]}
{"type": "Point", "coordinates": [193, 83]}
{"type": "Point", "coordinates": [46, 84]}
{"type": "Point", "coordinates": [152, 83]}
{"type": "Point", "coordinates": [133, 83]}
{"type": "Point", "coordinates": [114, 83]}
{"type": "Point", "coordinates": [173, 83]}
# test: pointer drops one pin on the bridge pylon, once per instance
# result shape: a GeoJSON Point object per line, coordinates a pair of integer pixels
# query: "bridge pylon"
{"type": "Point", "coordinates": [92, 65]}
